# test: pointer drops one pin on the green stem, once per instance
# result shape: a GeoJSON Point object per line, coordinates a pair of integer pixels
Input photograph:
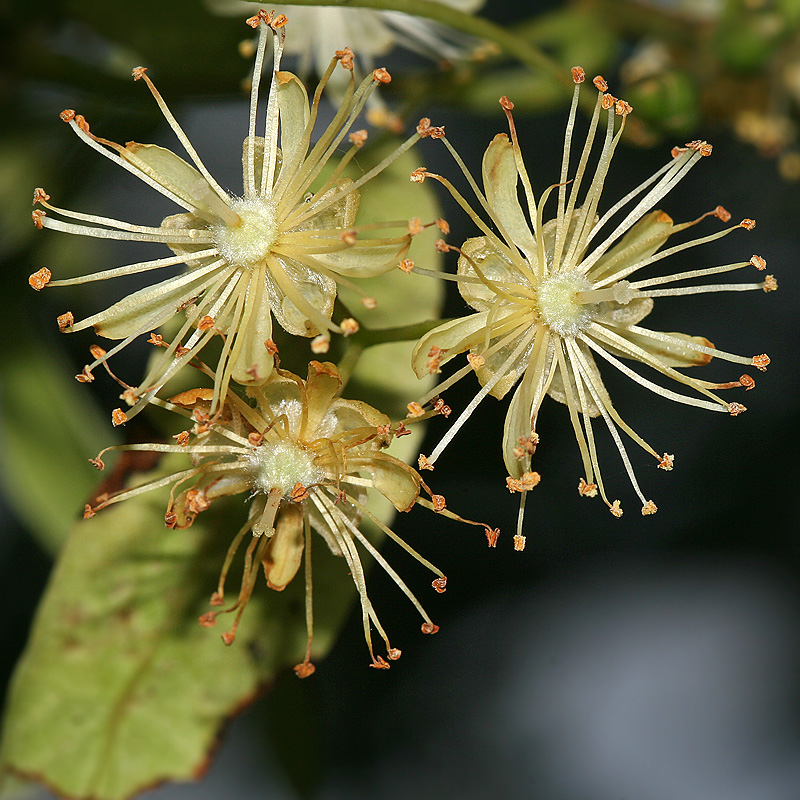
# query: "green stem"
{"type": "Point", "coordinates": [475, 26]}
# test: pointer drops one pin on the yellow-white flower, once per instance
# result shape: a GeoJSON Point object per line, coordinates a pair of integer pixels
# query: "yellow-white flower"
{"type": "Point", "coordinates": [550, 298]}
{"type": "Point", "coordinates": [278, 250]}
{"type": "Point", "coordinates": [306, 458]}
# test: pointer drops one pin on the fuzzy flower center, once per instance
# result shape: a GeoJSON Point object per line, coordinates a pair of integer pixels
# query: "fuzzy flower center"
{"type": "Point", "coordinates": [247, 244]}
{"type": "Point", "coordinates": [282, 466]}
{"type": "Point", "coordinates": [558, 306]}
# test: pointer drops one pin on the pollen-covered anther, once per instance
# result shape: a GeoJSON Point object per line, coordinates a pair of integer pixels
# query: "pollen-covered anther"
{"type": "Point", "coordinates": [349, 237]}
{"type": "Point", "coordinates": [600, 83]}
{"type": "Point", "coordinates": [423, 463]}
{"type": "Point", "coordinates": [426, 130]}
{"type": "Point", "coordinates": [622, 108]}
{"type": "Point", "coordinates": [40, 196]}
{"type": "Point", "coordinates": [138, 72]}
{"type": "Point", "coordinates": [747, 382]}
{"type": "Point", "coordinates": [443, 225]}
{"type": "Point", "coordinates": [676, 151]}
{"type": "Point", "coordinates": [608, 101]}
{"type": "Point", "coordinates": [722, 214]}
{"type": "Point", "coordinates": [435, 355]}
{"type": "Point", "coordinates": [157, 339]}
{"type": "Point", "coordinates": [196, 501]}
{"type": "Point", "coordinates": [381, 75]}
{"type": "Point", "coordinates": [492, 535]}
{"type": "Point", "coordinates": [440, 584]}
{"type": "Point", "coordinates": [747, 224]}
{"type": "Point", "coordinates": [255, 439]}
{"type": "Point", "coordinates": [97, 463]}
{"type": "Point", "coordinates": [415, 409]}
{"type": "Point", "coordinates": [37, 215]}
{"type": "Point", "coordinates": [84, 376]}
{"type": "Point", "coordinates": [182, 438]}
{"type": "Point", "coordinates": [476, 361]}
{"type": "Point", "coordinates": [761, 362]}
{"type": "Point", "coordinates": [734, 409]}
{"type": "Point", "coordinates": [587, 489]}
{"type": "Point", "coordinates": [208, 620]}
{"type": "Point", "coordinates": [401, 430]}
{"type": "Point", "coordinates": [758, 262]}
{"type": "Point", "coordinates": [298, 493]}
{"type": "Point", "coordinates": [440, 407]}
{"type": "Point", "coordinates": [118, 417]}
{"type": "Point", "coordinates": [272, 348]}
{"type": "Point", "coordinates": [506, 103]}
{"type": "Point", "coordinates": [97, 351]}
{"type": "Point", "coordinates": [205, 323]}
{"type": "Point", "coordinates": [254, 21]}
{"type": "Point", "coordinates": [180, 350]}
{"type": "Point", "coordinates": [304, 669]}
{"type": "Point", "coordinates": [278, 22]}
{"type": "Point", "coordinates": [40, 279]}
{"type": "Point", "coordinates": [228, 638]}
{"type": "Point", "coordinates": [667, 462]}
{"type": "Point", "coordinates": [419, 175]}
{"type": "Point", "coordinates": [415, 226]}
{"type": "Point", "coordinates": [519, 542]}
{"type": "Point", "coordinates": [407, 265]}
{"type": "Point", "coordinates": [523, 484]}
{"type": "Point", "coordinates": [346, 60]}
{"type": "Point", "coordinates": [615, 509]}
{"type": "Point", "coordinates": [438, 502]}
{"type": "Point", "coordinates": [130, 396]}
{"type": "Point", "coordinates": [379, 663]}
{"type": "Point", "coordinates": [770, 284]}
{"type": "Point", "coordinates": [649, 508]}
{"type": "Point", "coordinates": [429, 627]}
{"type": "Point", "coordinates": [65, 320]}
{"type": "Point", "coordinates": [442, 246]}
{"type": "Point", "coordinates": [349, 326]}
{"type": "Point", "coordinates": [526, 445]}
{"type": "Point", "coordinates": [394, 653]}
{"type": "Point", "coordinates": [358, 138]}
{"type": "Point", "coordinates": [67, 115]}
{"type": "Point", "coordinates": [578, 75]}
{"type": "Point", "coordinates": [320, 344]}
{"type": "Point", "coordinates": [88, 512]}
{"type": "Point", "coordinates": [170, 519]}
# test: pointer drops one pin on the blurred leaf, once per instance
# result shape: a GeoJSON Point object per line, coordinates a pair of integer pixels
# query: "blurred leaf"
{"type": "Point", "coordinates": [668, 101]}
{"type": "Point", "coordinates": [120, 688]}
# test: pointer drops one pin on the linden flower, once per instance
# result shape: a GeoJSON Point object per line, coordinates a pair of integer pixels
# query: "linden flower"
{"type": "Point", "coordinates": [279, 250]}
{"type": "Point", "coordinates": [307, 458]}
{"type": "Point", "coordinates": [550, 298]}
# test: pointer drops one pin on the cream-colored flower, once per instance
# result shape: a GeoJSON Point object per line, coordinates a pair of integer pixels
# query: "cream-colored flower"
{"type": "Point", "coordinates": [306, 458]}
{"type": "Point", "coordinates": [278, 250]}
{"type": "Point", "coordinates": [550, 298]}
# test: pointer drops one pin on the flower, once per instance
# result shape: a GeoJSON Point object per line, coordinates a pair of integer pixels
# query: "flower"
{"type": "Point", "coordinates": [279, 250]}
{"type": "Point", "coordinates": [550, 298]}
{"type": "Point", "coordinates": [306, 458]}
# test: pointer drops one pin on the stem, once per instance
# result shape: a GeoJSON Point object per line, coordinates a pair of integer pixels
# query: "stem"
{"type": "Point", "coordinates": [475, 26]}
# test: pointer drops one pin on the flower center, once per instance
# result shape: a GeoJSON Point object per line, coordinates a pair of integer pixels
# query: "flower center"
{"type": "Point", "coordinates": [247, 244]}
{"type": "Point", "coordinates": [282, 466]}
{"type": "Point", "coordinates": [560, 310]}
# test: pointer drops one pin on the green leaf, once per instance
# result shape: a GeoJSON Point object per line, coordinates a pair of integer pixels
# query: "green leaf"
{"type": "Point", "coordinates": [120, 688]}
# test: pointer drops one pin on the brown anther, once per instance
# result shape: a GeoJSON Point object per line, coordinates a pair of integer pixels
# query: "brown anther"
{"type": "Point", "coordinates": [254, 21]}
{"type": "Point", "coordinates": [369, 302]}
{"type": "Point", "coordinates": [37, 215]}
{"type": "Point", "coordinates": [578, 75]}
{"type": "Point", "coordinates": [649, 508]}
{"type": "Point", "coordinates": [770, 284]}
{"type": "Point", "coordinates": [196, 501]}
{"type": "Point", "coordinates": [734, 409]}
{"type": "Point", "coordinates": [429, 627]}
{"type": "Point", "coordinates": [600, 83]}
{"type": "Point", "coordinates": [40, 196]}
{"type": "Point", "coordinates": [381, 75]}
{"type": "Point", "coordinates": [440, 584]}
{"type": "Point", "coordinates": [304, 669]}
{"type": "Point", "coordinates": [358, 138]}
{"type": "Point", "coordinates": [320, 344]}
{"type": "Point", "coordinates": [419, 175]}
{"type": "Point", "coordinates": [84, 376]}
{"type": "Point", "coordinates": [440, 407]}
{"type": "Point", "coordinates": [423, 463]}
{"type": "Point", "coordinates": [415, 409]}
{"type": "Point", "coordinates": [476, 361]}
{"type": "Point", "coordinates": [528, 444]}
{"type": "Point", "coordinates": [208, 620]}
{"type": "Point", "coordinates": [255, 439]}
{"type": "Point", "coordinates": [349, 237]}
{"type": "Point", "coordinates": [407, 265]}
{"type": "Point", "coordinates": [170, 519]}
{"type": "Point", "coordinates": [443, 225]}
{"type": "Point", "coordinates": [438, 502]}
{"type": "Point", "coordinates": [492, 535]}
{"type": "Point", "coordinates": [157, 339]}
{"type": "Point", "coordinates": [67, 115]}
{"type": "Point", "coordinates": [349, 326]}
{"type": "Point", "coordinates": [346, 60]}
{"type": "Point", "coordinates": [394, 653]}
{"type": "Point", "coordinates": [607, 101]}
{"type": "Point", "coordinates": [623, 108]}
{"type": "Point", "coordinates": [278, 22]}
{"type": "Point", "coordinates": [415, 226]}
{"type": "Point", "coordinates": [402, 430]}
{"type": "Point", "coordinates": [216, 599]}
{"type": "Point", "coordinates": [425, 129]}
{"type": "Point", "coordinates": [528, 481]}
{"type": "Point", "coordinates": [97, 351]}
{"type": "Point", "coordinates": [138, 72]}
{"type": "Point", "coordinates": [98, 463]}
{"type": "Point", "coordinates": [272, 348]}
{"type": "Point", "coordinates": [88, 512]}
{"type": "Point", "coordinates": [298, 493]}
{"type": "Point", "coordinates": [65, 320]}
{"type": "Point", "coordinates": [667, 462]}
{"type": "Point", "coordinates": [747, 382]}
{"type": "Point", "coordinates": [228, 637]}
{"type": "Point", "coordinates": [442, 246]}
{"type": "Point", "coordinates": [182, 438]}
{"type": "Point", "coordinates": [761, 362]}
{"type": "Point", "coordinates": [118, 417]}
{"type": "Point", "coordinates": [722, 214]}
{"type": "Point", "coordinates": [519, 542]}
{"type": "Point", "coordinates": [506, 103]}
{"type": "Point", "coordinates": [205, 323]}
{"type": "Point", "coordinates": [130, 396]}
{"type": "Point", "coordinates": [379, 663]}
{"type": "Point", "coordinates": [615, 509]}
{"type": "Point", "coordinates": [758, 262]}
{"type": "Point", "coordinates": [434, 359]}
{"type": "Point", "coordinates": [587, 489]}
{"type": "Point", "coordinates": [676, 151]}
{"type": "Point", "coordinates": [747, 224]}
{"type": "Point", "coordinates": [180, 350]}
{"type": "Point", "coordinates": [423, 126]}
{"type": "Point", "coordinates": [699, 146]}
{"type": "Point", "coordinates": [40, 279]}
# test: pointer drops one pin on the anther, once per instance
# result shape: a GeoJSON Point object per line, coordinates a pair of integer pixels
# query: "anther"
{"type": "Point", "coordinates": [506, 103]}
{"type": "Point", "coordinates": [379, 663]}
{"type": "Point", "coordinates": [734, 409]}
{"type": "Point", "coordinates": [608, 101]}
{"type": "Point", "coordinates": [415, 409]}
{"type": "Point", "coordinates": [272, 348]}
{"type": "Point", "coordinates": [519, 542]}
{"type": "Point", "coordinates": [423, 463]}
{"type": "Point", "coordinates": [492, 535]}
{"type": "Point", "coordinates": [587, 489]}
{"type": "Point", "coordinates": [84, 376]}
{"type": "Point", "coordinates": [758, 262]}
{"type": "Point", "coordinates": [205, 323]}
{"type": "Point", "coordinates": [320, 344]}
{"type": "Point", "coordinates": [649, 508]}
{"type": "Point", "coordinates": [65, 320]}
{"type": "Point", "coordinates": [40, 196]}
{"type": "Point", "coordinates": [349, 237]}
{"type": "Point", "coordinates": [255, 439]}
{"type": "Point", "coordinates": [279, 22]}
{"type": "Point", "coordinates": [40, 279]}
{"type": "Point", "coordinates": [443, 226]}
{"type": "Point", "coordinates": [440, 584]}
{"type": "Point", "coordinates": [381, 75]}
{"type": "Point", "coordinates": [578, 75]}
{"type": "Point", "coordinates": [528, 481]}
{"type": "Point", "coordinates": [722, 213]}
{"type": "Point", "coordinates": [37, 215]}
{"type": "Point", "coordinates": [97, 463]}
{"type": "Point", "coordinates": [438, 502]}
{"type": "Point", "coordinates": [208, 620]}
{"type": "Point", "coordinates": [182, 438]}
{"type": "Point", "coordinates": [407, 265]}
{"type": "Point", "coordinates": [349, 326]}
{"type": "Point", "coordinates": [770, 284]}
{"type": "Point", "coordinates": [667, 462]}
{"type": "Point", "coordinates": [747, 224]}
{"type": "Point", "coordinates": [476, 361]}
{"type": "Point", "coordinates": [118, 417]}
{"type": "Point", "coordinates": [747, 382]}
{"type": "Point", "coordinates": [435, 359]}
{"type": "Point", "coordinates": [429, 627]}
{"type": "Point", "coordinates": [304, 670]}
{"type": "Point", "coordinates": [88, 512]}
{"type": "Point", "coordinates": [442, 246]}
{"type": "Point", "coordinates": [298, 493]}
{"type": "Point", "coordinates": [346, 60]}
{"type": "Point", "coordinates": [623, 108]}
{"type": "Point", "coordinates": [138, 72]}
{"type": "Point", "coordinates": [615, 509]}
{"type": "Point", "coordinates": [394, 653]}
{"type": "Point", "coordinates": [419, 175]}
{"type": "Point", "coordinates": [358, 138]}
{"type": "Point", "coordinates": [761, 362]}
{"type": "Point", "coordinates": [415, 226]}
{"type": "Point", "coordinates": [600, 83]}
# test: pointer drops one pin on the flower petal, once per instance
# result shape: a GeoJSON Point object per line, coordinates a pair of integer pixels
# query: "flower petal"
{"type": "Point", "coordinates": [671, 354]}
{"type": "Point", "coordinates": [396, 481]}
{"type": "Point", "coordinates": [320, 389]}
{"type": "Point", "coordinates": [462, 333]}
{"type": "Point", "coordinates": [284, 553]}
{"type": "Point", "coordinates": [492, 265]}
{"type": "Point", "coordinates": [294, 116]}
